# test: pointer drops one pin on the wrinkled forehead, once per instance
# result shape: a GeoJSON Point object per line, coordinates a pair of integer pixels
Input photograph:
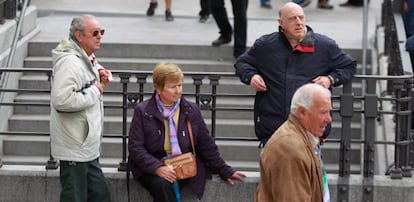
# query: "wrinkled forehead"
{"type": "Point", "coordinates": [92, 24]}
{"type": "Point", "coordinates": [292, 12]}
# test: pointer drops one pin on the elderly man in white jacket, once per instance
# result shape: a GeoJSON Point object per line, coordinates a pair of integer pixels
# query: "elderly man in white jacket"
{"type": "Point", "coordinates": [76, 119]}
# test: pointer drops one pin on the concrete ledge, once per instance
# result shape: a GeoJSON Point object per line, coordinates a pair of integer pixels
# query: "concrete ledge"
{"type": "Point", "coordinates": [34, 183]}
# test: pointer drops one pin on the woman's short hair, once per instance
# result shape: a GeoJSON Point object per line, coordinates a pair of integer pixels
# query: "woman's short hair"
{"type": "Point", "coordinates": [304, 96]}
{"type": "Point", "coordinates": [166, 71]}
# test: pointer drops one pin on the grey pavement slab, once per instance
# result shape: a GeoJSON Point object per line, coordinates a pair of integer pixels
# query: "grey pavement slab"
{"type": "Point", "coordinates": [125, 21]}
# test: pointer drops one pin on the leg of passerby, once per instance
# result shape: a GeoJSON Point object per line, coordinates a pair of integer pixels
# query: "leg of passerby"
{"type": "Point", "coordinates": [352, 3]}
{"type": "Point", "coordinates": [409, 46]}
{"type": "Point", "coordinates": [220, 16]}
{"type": "Point", "coordinates": [97, 188]}
{"type": "Point", "coordinates": [324, 4]}
{"type": "Point", "coordinates": [168, 14]}
{"type": "Point", "coordinates": [152, 6]}
{"type": "Point", "coordinates": [240, 26]}
{"type": "Point", "coordinates": [205, 11]}
{"type": "Point", "coordinates": [302, 3]}
{"type": "Point", "coordinates": [265, 4]}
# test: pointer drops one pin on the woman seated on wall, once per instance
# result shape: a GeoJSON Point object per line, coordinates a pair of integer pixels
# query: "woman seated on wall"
{"type": "Point", "coordinates": [159, 131]}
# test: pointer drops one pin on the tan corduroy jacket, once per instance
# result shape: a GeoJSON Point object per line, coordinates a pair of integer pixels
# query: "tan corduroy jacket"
{"type": "Point", "coordinates": [290, 170]}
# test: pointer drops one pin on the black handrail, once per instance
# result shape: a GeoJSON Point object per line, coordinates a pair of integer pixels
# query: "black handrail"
{"type": "Point", "coordinates": [207, 100]}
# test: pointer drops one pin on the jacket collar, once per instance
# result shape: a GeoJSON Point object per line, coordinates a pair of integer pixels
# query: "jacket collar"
{"type": "Point", "coordinates": [302, 130]}
{"type": "Point", "coordinates": [152, 110]}
{"type": "Point", "coordinates": [307, 45]}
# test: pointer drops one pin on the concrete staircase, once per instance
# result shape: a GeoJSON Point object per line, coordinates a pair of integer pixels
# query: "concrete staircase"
{"type": "Point", "coordinates": [243, 155]}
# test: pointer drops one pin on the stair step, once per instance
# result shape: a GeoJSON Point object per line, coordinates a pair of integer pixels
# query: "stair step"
{"type": "Point", "coordinates": [144, 64]}
{"type": "Point", "coordinates": [224, 127]}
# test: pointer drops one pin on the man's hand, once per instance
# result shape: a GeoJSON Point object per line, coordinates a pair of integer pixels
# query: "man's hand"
{"type": "Point", "coordinates": [99, 86]}
{"type": "Point", "coordinates": [106, 76]}
{"type": "Point", "coordinates": [257, 83]}
{"type": "Point", "coordinates": [324, 81]}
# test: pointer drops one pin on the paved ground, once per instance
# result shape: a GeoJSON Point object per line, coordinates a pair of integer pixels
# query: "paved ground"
{"type": "Point", "coordinates": [125, 21]}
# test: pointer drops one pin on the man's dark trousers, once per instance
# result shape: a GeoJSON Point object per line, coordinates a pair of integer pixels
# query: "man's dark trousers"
{"type": "Point", "coordinates": [83, 181]}
{"type": "Point", "coordinates": [240, 22]}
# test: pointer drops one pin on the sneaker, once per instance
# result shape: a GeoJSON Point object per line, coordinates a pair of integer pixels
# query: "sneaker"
{"type": "Point", "coordinates": [266, 5]}
{"type": "Point", "coordinates": [151, 9]}
{"type": "Point", "coordinates": [204, 18]}
{"type": "Point", "coordinates": [325, 6]}
{"type": "Point", "coordinates": [168, 16]}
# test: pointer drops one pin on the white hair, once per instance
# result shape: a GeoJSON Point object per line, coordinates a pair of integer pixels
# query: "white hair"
{"type": "Point", "coordinates": [304, 96]}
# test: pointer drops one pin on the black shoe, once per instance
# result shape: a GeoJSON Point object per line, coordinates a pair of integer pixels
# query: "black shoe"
{"type": "Point", "coordinates": [302, 3]}
{"type": "Point", "coordinates": [168, 16]}
{"type": "Point", "coordinates": [221, 40]}
{"type": "Point", "coordinates": [347, 4]}
{"type": "Point", "coordinates": [325, 6]}
{"type": "Point", "coordinates": [266, 5]}
{"type": "Point", "coordinates": [204, 18]}
{"type": "Point", "coordinates": [151, 9]}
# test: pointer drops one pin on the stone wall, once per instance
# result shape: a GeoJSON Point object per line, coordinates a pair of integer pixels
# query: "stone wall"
{"type": "Point", "coordinates": [30, 183]}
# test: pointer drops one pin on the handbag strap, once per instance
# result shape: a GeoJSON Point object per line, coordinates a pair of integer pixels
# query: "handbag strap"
{"type": "Point", "coordinates": [190, 130]}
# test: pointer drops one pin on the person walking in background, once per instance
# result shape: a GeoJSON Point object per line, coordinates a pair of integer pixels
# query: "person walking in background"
{"type": "Point", "coordinates": [154, 4]}
{"type": "Point", "coordinates": [290, 165]}
{"type": "Point", "coordinates": [159, 130]}
{"type": "Point", "coordinates": [205, 11]}
{"type": "Point", "coordinates": [76, 117]}
{"type": "Point", "coordinates": [279, 62]}
{"type": "Point", "coordinates": [265, 4]}
{"type": "Point", "coordinates": [240, 24]}
{"type": "Point", "coordinates": [352, 3]}
{"type": "Point", "coordinates": [322, 4]}
{"type": "Point", "coordinates": [409, 27]}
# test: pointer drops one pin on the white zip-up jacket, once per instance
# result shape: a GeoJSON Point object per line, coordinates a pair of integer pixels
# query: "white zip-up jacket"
{"type": "Point", "coordinates": [76, 117]}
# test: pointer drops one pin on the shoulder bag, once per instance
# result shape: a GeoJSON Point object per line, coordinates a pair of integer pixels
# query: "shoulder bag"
{"type": "Point", "coordinates": [185, 165]}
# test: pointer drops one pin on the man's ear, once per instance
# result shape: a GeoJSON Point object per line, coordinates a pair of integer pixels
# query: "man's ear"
{"type": "Point", "coordinates": [78, 35]}
{"type": "Point", "coordinates": [301, 111]}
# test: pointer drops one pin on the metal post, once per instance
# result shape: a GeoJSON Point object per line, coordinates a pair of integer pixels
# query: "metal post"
{"type": "Point", "coordinates": [2, 18]}
{"type": "Point", "coordinates": [51, 163]}
{"type": "Point", "coordinates": [214, 82]}
{"type": "Point", "coordinates": [396, 172]}
{"type": "Point", "coordinates": [371, 113]}
{"type": "Point", "coordinates": [405, 127]}
{"type": "Point", "coordinates": [197, 82]}
{"type": "Point", "coordinates": [346, 112]}
{"type": "Point", "coordinates": [10, 9]}
{"type": "Point", "coordinates": [123, 165]}
{"type": "Point", "coordinates": [141, 80]}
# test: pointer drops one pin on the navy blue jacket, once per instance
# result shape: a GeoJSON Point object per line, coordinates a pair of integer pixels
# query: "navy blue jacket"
{"type": "Point", "coordinates": [285, 69]}
{"type": "Point", "coordinates": [146, 143]}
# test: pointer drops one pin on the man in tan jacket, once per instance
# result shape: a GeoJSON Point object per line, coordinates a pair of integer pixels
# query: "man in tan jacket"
{"type": "Point", "coordinates": [290, 170]}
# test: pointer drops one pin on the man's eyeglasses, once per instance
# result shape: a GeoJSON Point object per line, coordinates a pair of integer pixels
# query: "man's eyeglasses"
{"type": "Point", "coordinates": [96, 32]}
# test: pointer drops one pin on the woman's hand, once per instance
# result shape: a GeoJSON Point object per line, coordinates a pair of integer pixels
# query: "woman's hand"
{"type": "Point", "coordinates": [236, 176]}
{"type": "Point", "coordinates": [167, 173]}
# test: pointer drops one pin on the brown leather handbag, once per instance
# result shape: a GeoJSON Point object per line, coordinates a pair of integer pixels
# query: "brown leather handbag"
{"type": "Point", "coordinates": [185, 165]}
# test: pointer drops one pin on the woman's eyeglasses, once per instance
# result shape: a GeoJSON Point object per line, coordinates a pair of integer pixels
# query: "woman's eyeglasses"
{"type": "Point", "coordinates": [96, 32]}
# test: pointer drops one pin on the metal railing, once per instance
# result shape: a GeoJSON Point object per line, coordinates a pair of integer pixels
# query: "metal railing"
{"type": "Point", "coordinates": [369, 104]}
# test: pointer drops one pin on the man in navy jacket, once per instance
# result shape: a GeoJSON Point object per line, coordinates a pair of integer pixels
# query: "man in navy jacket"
{"type": "Point", "coordinates": [280, 62]}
